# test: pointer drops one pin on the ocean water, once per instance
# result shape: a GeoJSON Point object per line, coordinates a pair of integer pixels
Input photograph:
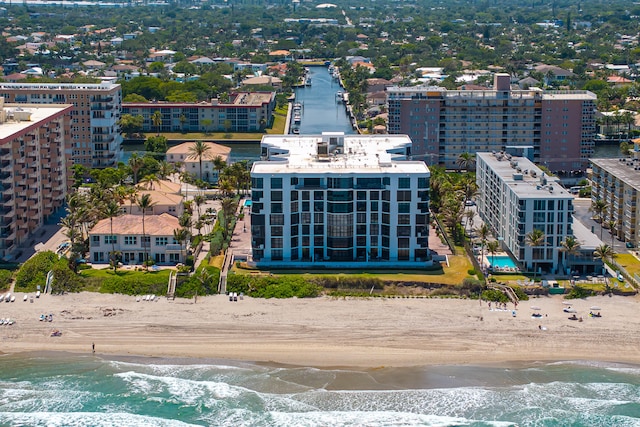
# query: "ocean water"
{"type": "Point", "coordinates": [69, 390]}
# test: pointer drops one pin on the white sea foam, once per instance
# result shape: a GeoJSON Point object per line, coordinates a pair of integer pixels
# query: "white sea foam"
{"type": "Point", "coordinates": [85, 419]}
{"type": "Point", "coordinates": [373, 419]}
{"type": "Point", "coordinates": [185, 390]}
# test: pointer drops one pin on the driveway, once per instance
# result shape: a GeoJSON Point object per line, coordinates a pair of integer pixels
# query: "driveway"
{"type": "Point", "coordinates": [582, 214]}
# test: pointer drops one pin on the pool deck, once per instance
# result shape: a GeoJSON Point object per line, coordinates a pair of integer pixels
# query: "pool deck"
{"type": "Point", "coordinates": [486, 263]}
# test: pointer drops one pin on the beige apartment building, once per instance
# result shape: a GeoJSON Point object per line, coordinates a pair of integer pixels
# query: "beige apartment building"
{"type": "Point", "coordinates": [33, 169]}
{"type": "Point", "coordinates": [243, 112]}
{"type": "Point", "coordinates": [95, 135]}
{"type": "Point", "coordinates": [617, 183]}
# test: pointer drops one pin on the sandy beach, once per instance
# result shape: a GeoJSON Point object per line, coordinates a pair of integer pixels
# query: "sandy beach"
{"type": "Point", "coordinates": [326, 332]}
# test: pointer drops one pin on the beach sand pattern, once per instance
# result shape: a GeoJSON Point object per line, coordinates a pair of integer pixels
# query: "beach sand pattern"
{"type": "Point", "coordinates": [327, 332]}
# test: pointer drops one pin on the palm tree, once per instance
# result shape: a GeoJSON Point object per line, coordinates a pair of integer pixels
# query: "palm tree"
{"type": "Point", "coordinates": [469, 215]}
{"type": "Point", "coordinates": [612, 229]}
{"type": "Point", "coordinates": [570, 246]}
{"type": "Point", "coordinates": [135, 164]}
{"type": "Point", "coordinates": [228, 210]}
{"type": "Point", "coordinates": [112, 210]}
{"type": "Point", "coordinates": [219, 164]}
{"type": "Point", "coordinates": [604, 251]}
{"type": "Point", "coordinates": [156, 119]}
{"type": "Point", "coordinates": [483, 232]}
{"type": "Point", "coordinates": [165, 169]}
{"type": "Point", "coordinates": [493, 248]}
{"type": "Point", "coordinates": [199, 201]}
{"type": "Point", "coordinates": [149, 182]}
{"type": "Point", "coordinates": [144, 202]}
{"type": "Point", "coordinates": [181, 235]}
{"type": "Point", "coordinates": [535, 238]}
{"type": "Point", "coordinates": [466, 160]}
{"type": "Point", "coordinates": [199, 150]}
{"type": "Point", "coordinates": [599, 207]}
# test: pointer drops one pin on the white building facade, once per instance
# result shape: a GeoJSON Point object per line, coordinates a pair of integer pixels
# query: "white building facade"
{"type": "Point", "coordinates": [339, 200]}
{"type": "Point", "coordinates": [516, 197]}
{"type": "Point", "coordinates": [95, 133]}
{"type": "Point", "coordinates": [125, 235]}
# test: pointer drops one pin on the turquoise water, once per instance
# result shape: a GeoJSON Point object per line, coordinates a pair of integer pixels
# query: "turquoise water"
{"type": "Point", "coordinates": [70, 390]}
{"type": "Point", "coordinates": [502, 261]}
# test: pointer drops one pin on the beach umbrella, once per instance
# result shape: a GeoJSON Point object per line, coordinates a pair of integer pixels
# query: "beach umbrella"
{"type": "Point", "coordinates": [535, 307]}
{"type": "Point", "coordinates": [595, 307]}
{"type": "Point", "coordinates": [567, 303]}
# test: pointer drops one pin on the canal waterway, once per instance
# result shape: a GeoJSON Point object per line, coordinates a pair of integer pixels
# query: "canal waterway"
{"type": "Point", "coordinates": [320, 111]}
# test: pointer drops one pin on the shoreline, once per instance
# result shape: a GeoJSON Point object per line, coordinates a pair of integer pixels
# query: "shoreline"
{"type": "Point", "coordinates": [327, 333]}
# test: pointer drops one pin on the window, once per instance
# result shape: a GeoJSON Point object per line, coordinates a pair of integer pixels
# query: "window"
{"type": "Point", "coordinates": [95, 240]}
{"type": "Point", "coordinates": [130, 240]}
{"type": "Point", "coordinates": [404, 182]}
{"type": "Point", "coordinates": [110, 240]}
{"type": "Point", "coordinates": [162, 241]}
{"type": "Point", "coordinates": [276, 183]}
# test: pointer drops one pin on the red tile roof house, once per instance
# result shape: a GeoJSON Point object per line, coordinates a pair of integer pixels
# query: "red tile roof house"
{"type": "Point", "coordinates": [126, 237]}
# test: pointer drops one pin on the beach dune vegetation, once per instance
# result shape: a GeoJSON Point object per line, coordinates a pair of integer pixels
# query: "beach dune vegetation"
{"type": "Point", "coordinates": [34, 271]}
{"type": "Point", "coordinates": [272, 287]}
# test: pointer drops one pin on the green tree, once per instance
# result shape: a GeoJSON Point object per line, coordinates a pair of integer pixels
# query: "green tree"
{"type": "Point", "coordinates": [145, 203]}
{"type": "Point", "coordinates": [131, 125]}
{"type": "Point", "coordinates": [466, 161]}
{"type": "Point", "coordinates": [111, 211]}
{"type": "Point", "coordinates": [135, 164]}
{"type": "Point", "coordinates": [199, 150]}
{"type": "Point", "coordinates": [181, 235]}
{"type": "Point", "coordinates": [598, 207]}
{"type": "Point", "coordinates": [229, 207]}
{"type": "Point", "coordinates": [206, 123]}
{"type": "Point", "coordinates": [493, 247]}
{"type": "Point", "coordinates": [34, 271]}
{"type": "Point", "coordinates": [569, 246]}
{"type": "Point", "coordinates": [157, 145]}
{"type": "Point", "coordinates": [156, 119]}
{"type": "Point", "coordinates": [603, 252]}
{"type": "Point", "coordinates": [535, 239]}
{"type": "Point", "coordinates": [64, 280]}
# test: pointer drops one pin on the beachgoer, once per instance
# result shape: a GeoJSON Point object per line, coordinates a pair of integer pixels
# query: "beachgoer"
{"type": "Point", "coordinates": [93, 347]}
{"type": "Point", "coordinates": [540, 327]}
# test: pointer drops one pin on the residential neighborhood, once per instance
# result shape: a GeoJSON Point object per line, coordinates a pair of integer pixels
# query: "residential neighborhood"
{"type": "Point", "coordinates": [301, 213]}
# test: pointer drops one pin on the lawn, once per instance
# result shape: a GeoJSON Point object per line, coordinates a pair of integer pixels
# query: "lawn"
{"type": "Point", "coordinates": [629, 262]}
{"type": "Point", "coordinates": [277, 128]}
{"type": "Point", "coordinates": [452, 275]}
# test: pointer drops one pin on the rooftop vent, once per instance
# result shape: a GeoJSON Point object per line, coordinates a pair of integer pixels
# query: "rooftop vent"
{"type": "Point", "coordinates": [517, 177]}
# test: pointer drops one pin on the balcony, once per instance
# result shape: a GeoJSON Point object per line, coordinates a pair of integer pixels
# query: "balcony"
{"type": "Point", "coordinates": [173, 248]}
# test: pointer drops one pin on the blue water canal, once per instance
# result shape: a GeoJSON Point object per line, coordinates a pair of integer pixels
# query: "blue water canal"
{"type": "Point", "coordinates": [320, 111]}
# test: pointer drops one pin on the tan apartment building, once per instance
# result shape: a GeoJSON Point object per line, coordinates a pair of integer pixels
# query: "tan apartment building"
{"type": "Point", "coordinates": [556, 126]}
{"type": "Point", "coordinates": [33, 169]}
{"type": "Point", "coordinates": [95, 134]}
{"type": "Point", "coordinates": [181, 155]}
{"type": "Point", "coordinates": [244, 112]}
{"type": "Point", "coordinates": [617, 183]}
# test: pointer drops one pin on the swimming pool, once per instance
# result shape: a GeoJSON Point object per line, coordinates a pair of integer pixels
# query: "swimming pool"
{"type": "Point", "coordinates": [501, 261]}
{"type": "Point", "coordinates": [247, 203]}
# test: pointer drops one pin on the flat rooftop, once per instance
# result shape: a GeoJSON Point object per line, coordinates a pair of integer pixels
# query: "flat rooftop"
{"type": "Point", "coordinates": [623, 170]}
{"type": "Point", "coordinates": [370, 154]}
{"type": "Point", "coordinates": [59, 86]}
{"type": "Point", "coordinates": [588, 240]}
{"type": "Point", "coordinates": [524, 177]}
{"type": "Point", "coordinates": [40, 113]}
{"type": "Point", "coordinates": [492, 94]}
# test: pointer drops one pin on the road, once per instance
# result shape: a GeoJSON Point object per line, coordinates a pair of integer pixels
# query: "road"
{"type": "Point", "coordinates": [582, 214]}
